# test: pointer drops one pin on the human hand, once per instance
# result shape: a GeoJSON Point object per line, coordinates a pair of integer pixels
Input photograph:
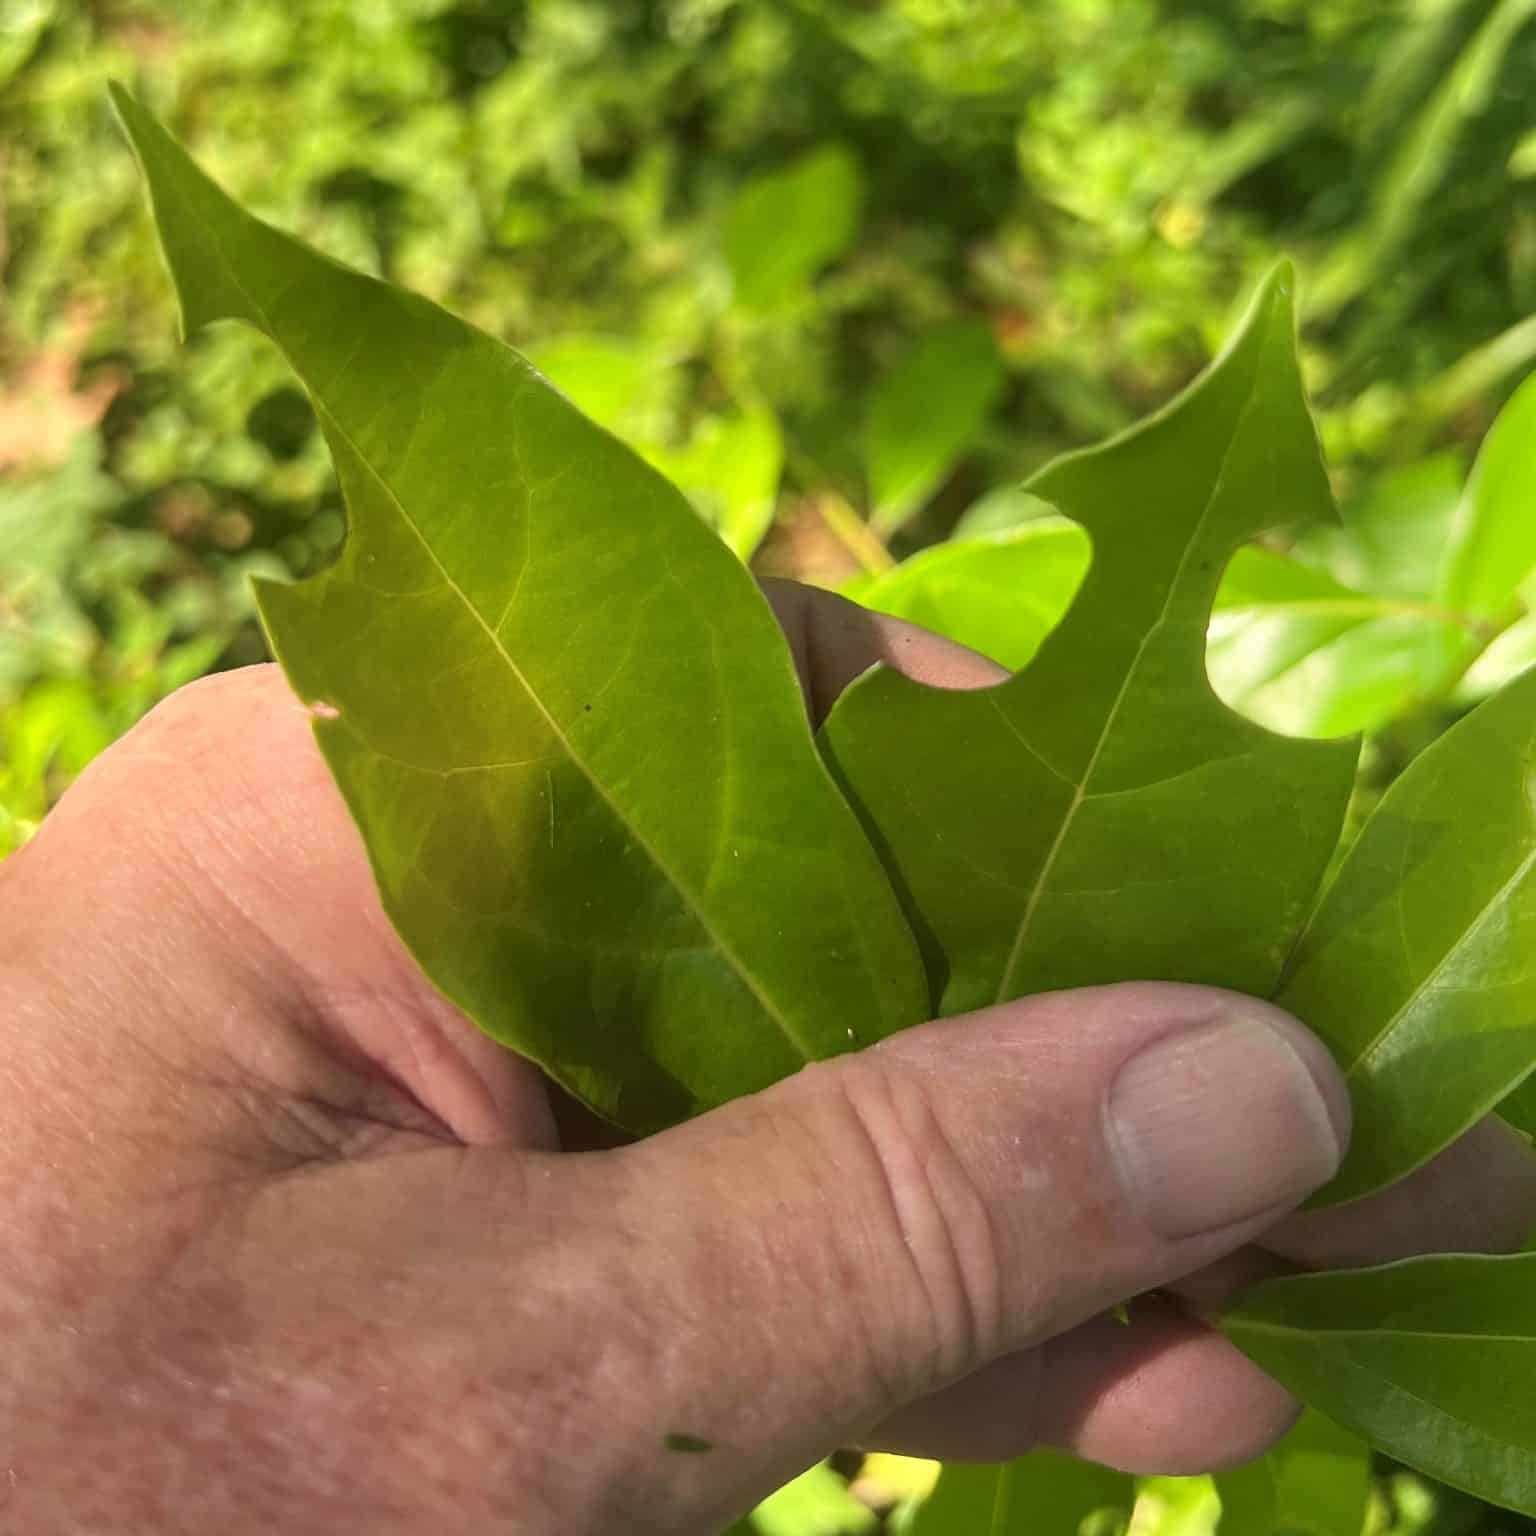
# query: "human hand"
{"type": "Point", "coordinates": [290, 1246]}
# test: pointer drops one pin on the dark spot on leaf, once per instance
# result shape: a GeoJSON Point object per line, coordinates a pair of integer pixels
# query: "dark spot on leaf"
{"type": "Point", "coordinates": [686, 1445]}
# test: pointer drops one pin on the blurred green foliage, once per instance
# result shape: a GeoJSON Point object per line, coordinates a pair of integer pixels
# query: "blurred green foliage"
{"type": "Point", "coordinates": [750, 237]}
{"type": "Point", "coordinates": [847, 271]}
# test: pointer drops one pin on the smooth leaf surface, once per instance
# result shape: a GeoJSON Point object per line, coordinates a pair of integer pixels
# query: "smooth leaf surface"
{"type": "Point", "coordinates": [1419, 967]}
{"type": "Point", "coordinates": [533, 661]}
{"type": "Point", "coordinates": [1102, 815]}
{"type": "Point", "coordinates": [730, 469]}
{"type": "Point", "coordinates": [999, 511]}
{"type": "Point", "coordinates": [1045, 1493]}
{"type": "Point", "coordinates": [1299, 652]}
{"type": "Point", "coordinates": [1000, 595]}
{"type": "Point", "coordinates": [1391, 541]}
{"type": "Point", "coordinates": [817, 1503]}
{"type": "Point", "coordinates": [1315, 1482]}
{"type": "Point", "coordinates": [925, 414]}
{"type": "Point", "coordinates": [610, 378]}
{"type": "Point", "coordinates": [1430, 1359]}
{"type": "Point", "coordinates": [1176, 1506]}
{"type": "Point", "coordinates": [1492, 546]}
{"type": "Point", "coordinates": [784, 226]}
{"type": "Point", "coordinates": [1510, 654]}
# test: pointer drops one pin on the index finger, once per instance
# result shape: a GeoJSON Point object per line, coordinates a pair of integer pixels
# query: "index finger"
{"type": "Point", "coordinates": [834, 640]}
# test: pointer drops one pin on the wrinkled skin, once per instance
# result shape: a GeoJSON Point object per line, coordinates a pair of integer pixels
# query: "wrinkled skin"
{"type": "Point", "coordinates": [289, 1246]}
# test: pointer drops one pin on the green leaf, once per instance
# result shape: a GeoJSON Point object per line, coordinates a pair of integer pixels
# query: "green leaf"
{"type": "Point", "coordinates": [783, 227]}
{"type": "Point", "coordinates": [1392, 539]}
{"type": "Point", "coordinates": [1508, 655]}
{"type": "Point", "coordinates": [1432, 1360]}
{"type": "Point", "coordinates": [1000, 510]}
{"type": "Point", "coordinates": [1045, 1493]}
{"type": "Point", "coordinates": [1417, 967]}
{"type": "Point", "coordinates": [1300, 653]}
{"type": "Point", "coordinates": [1101, 815]}
{"type": "Point", "coordinates": [817, 1503]}
{"type": "Point", "coordinates": [532, 661]}
{"type": "Point", "coordinates": [1177, 1506]}
{"type": "Point", "coordinates": [1315, 1482]}
{"type": "Point", "coordinates": [1480, 372]}
{"type": "Point", "coordinates": [730, 469]}
{"type": "Point", "coordinates": [1492, 547]}
{"type": "Point", "coordinates": [925, 414]}
{"type": "Point", "coordinates": [1520, 1108]}
{"type": "Point", "coordinates": [609, 378]}
{"type": "Point", "coordinates": [1000, 595]}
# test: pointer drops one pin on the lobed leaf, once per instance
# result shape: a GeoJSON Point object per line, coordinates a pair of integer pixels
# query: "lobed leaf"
{"type": "Point", "coordinates": [1102, 815]}
{"type": "Point", "coordinates": [559, 709]}
{"type": "Point", "coordinates": [1431, 1359]}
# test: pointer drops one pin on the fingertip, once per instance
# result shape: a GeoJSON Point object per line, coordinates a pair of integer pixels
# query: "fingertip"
{"type": "Point", "coordinates": [834, 641]}
{"type": "Point", "coordinates": [1159, 1393]}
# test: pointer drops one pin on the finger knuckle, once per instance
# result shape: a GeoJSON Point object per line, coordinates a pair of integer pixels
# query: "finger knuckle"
{"type": "Point", "coordinates": [926, 1197]}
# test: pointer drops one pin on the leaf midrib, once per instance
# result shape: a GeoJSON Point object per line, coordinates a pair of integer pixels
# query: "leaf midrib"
{"type": "Point", "coordinates": [1367, 1369]}
{"type": "Point", "coordinates": [725, 950]}
{"type": "Point", "coordinates": [1376, 1331]}
{"type": "Point", "coordinates": [1452, 950]}
{"type": "Point", "coordinates": [1080, 788]}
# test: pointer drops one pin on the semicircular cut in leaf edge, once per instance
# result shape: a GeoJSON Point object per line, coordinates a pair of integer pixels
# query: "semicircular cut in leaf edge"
{"type": "Point", "coordinates": [558, 708]}
{"type": "Point", "coordinates": [1102, 816]}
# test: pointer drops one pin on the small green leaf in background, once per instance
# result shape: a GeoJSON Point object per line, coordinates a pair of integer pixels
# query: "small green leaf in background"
{"type": "Point", "coordinates": [1101, 815]}
{"type": "Point", "coordinates": [1419, 967]}
{"type": "Point", "coordinates": [730, 469]}
{"type": "Point", "coordinates": [1431, 1359]}
{"type": "Point", "coordinates": [925, 414]}
{"type": "Point", "coordinates": [1391, 541]}
{"type": "Point", "coordinates": [1315, 1482]}
{"type": "Point", "coordinates": [1045, 1493]}
{"type": "Point", "coordinates": [1000, 595]}
{"type": "Point", "coordinates": [612, 379]}
{"type": "Point", "coordinates": [1176, 1506]}
{"type": "Point", "coordinates": [1293, 649]}
{"type": "Point", "coordinates": [731, 464]}
{"type": "Point", "coordinates": [1492, 545]}
{"type": "Point", "coordinates": [1507, 656]}
{"type": "Point", "coordinates": [1000, 511]}
{"type": "Point", "coordinates": [817, 1503]}
{"type": "Point", "coordinates": [1348, 631]}
{"type": "Point", "coordinates": [784, 226]}
{"type": "Point", "coordinates": [532, 662]}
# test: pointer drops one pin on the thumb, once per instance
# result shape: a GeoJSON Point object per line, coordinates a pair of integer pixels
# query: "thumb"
{"type": "Point", "coordinates": [801, 1263]}
{"type": "Point", "coordinates": [653, 1338]}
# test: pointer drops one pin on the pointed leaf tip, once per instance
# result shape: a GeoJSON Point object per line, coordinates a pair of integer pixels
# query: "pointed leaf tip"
{"type": "Point", "coordinates": [1107, 814]}
{"type": "Point", "coordinates": [559, 709]}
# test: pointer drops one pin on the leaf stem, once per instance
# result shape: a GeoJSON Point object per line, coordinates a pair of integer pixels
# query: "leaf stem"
{"type": "Point", "coordinates": [853, 533]}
